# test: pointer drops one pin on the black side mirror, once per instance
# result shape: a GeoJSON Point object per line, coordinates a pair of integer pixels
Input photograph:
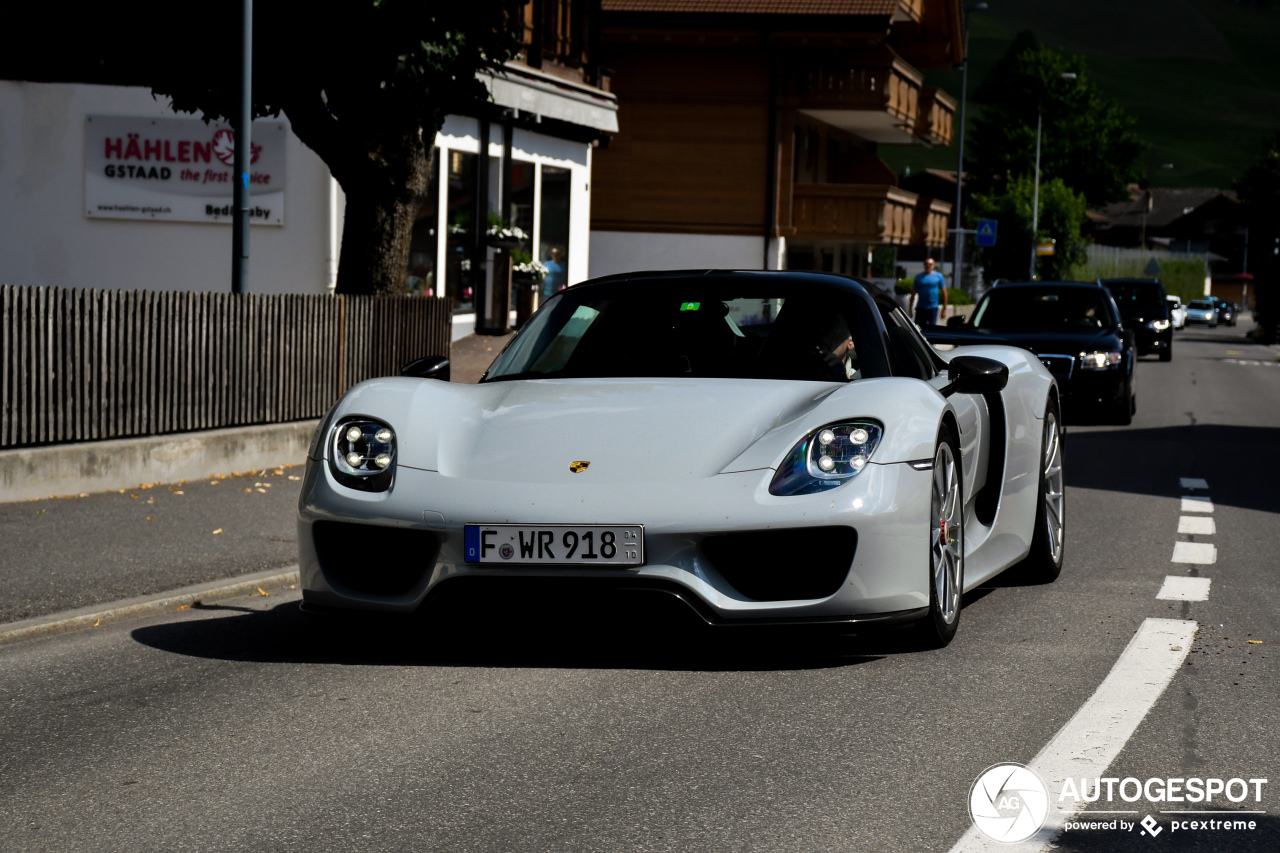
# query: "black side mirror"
{"type": "Point", "coordinates": [955, 321]}
{"type": "Point", "coordinates": [973, 374]}
{"type": "Point", "coordinates": [431, 367]}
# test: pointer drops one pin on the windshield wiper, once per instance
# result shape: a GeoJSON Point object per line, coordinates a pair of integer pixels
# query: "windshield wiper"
{"type": "Point", "coordinates": [527, 374]}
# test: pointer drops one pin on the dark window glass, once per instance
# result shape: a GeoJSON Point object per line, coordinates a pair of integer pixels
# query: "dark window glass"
{"type": "Point", "coordinates": [553, 237]}
{"type": "Point", "coordinates": [1137, 294]}
{"type": "Point", "coordinates": [1043, 308]}
{"type": "Point", "coordinates": [908, 353]}
{"type": "Point", "coordinates": [675, 328]}
{"type": "Point", "coordinates": [461, 218]}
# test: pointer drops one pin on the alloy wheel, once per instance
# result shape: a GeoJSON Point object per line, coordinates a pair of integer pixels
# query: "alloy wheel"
{"type": "Point", "coordinates": [946, 535]}
{"type": "Point", "coordinates": [1053, 487]}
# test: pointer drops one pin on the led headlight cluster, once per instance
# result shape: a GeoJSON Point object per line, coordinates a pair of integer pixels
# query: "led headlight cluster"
{"type": "Point", "coordinates": [826, 458]}
{"type": "Point", "coordinates": [1159, 325]}
{"type": "Point", "coordinates": [1100, 360]}
{"type": "Point", "coordinates": [362, 454]}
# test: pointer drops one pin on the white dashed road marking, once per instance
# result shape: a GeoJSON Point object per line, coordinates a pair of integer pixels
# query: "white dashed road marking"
{"type": "Point", "coordinates": [1197, 525]}
{"type": "Point", "coordinates": [1193, 483]}
{"type": "Point", "coordinates": [1092, 739]}
{"type": "Point", "coordinates": [1184, 589]}
{"type": "Point", "coordinates": [1193, 504]}
{"type": "Point", "coordinates": [1201, 553]}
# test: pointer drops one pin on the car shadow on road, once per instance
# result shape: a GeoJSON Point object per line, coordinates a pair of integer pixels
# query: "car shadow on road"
{"type": "Point", "coordinates": [631, 638]}
{"type": "Point", "coordinates": [1232, 459]}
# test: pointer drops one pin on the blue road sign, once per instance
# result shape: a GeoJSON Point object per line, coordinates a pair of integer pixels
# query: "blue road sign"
{"type": "Point", "coordinates": [987, 232]}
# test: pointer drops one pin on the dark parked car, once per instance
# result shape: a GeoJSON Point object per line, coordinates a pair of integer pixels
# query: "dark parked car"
{"type": "Point", "coordinates": [1226, 311]}
{"type": "Point", "coordinates": [1144, 308]}
{"type": "Point", "coordinates": [1075, 329]}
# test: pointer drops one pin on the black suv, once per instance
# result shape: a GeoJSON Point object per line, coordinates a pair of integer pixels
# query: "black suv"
{"type": "Point", "coordinates": [1144, 307]}
{"type": "Point", "coordinates": [1075, 329]}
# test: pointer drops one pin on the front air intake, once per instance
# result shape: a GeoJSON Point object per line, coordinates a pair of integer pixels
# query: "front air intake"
{"type": "Point", "coordinates": [800, 563]}
{"type": "Point", "coordinates": [369, 559]}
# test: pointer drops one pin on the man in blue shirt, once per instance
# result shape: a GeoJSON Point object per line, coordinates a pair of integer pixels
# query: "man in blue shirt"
{"type": "Point", "coordinates": [929, 286]}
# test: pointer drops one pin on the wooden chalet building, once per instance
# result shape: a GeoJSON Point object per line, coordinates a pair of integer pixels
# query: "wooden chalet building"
{"type": "Point", "coordinates": [749, 130]}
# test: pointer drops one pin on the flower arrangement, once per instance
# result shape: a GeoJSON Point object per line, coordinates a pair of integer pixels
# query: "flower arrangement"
{"type": "Point", "coordinates": [531, 269]}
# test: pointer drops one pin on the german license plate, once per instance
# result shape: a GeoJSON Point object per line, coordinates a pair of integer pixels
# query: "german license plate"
{"type": "Point", "coordinates": [555, 544]}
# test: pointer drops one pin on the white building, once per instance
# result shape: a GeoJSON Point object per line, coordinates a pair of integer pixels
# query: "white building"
{"type": "Point", "coordinates": [81, 209]}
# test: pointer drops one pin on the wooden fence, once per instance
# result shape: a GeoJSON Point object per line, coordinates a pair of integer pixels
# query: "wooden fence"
{"type": "Point", "coordinates": [80, 365]}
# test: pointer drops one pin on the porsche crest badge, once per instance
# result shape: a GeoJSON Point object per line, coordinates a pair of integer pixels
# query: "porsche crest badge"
{"type": "Point", "coordinates": [578, 467]}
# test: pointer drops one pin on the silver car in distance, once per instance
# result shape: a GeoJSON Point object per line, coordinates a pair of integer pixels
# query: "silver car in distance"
{"type": "Point", "coordinates": [766, 447]}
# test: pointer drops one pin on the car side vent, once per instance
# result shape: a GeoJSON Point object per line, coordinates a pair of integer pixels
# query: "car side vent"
{"type": "Point", "coordinates": [372, 560]}
{"type": "Point", "coordinates": [784, 565]}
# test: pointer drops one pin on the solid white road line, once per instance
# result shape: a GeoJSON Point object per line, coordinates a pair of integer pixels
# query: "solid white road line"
{"type": "Point", "coordinates": [1201, 553]}
{"type": "Point", "coordinates": [1197, 524]}
{"type": "Point", "coordinates": [1193, 483]}
{"type": "Point", "coordinates": [1194, 504]}
{"type": "Point", "coordinates": [1177, 588]}
{"type": "Point", "coordinates": [1092, 739]}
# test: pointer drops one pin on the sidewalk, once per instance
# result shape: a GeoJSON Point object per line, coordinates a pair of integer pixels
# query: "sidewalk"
{"type": "Point", "coordinates": [471, 356]}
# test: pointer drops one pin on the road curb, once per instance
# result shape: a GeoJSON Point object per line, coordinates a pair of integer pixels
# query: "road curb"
{"type": "Point", "coordinates": [98, 615]}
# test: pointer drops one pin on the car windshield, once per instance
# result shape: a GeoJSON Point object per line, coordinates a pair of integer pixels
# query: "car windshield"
{"type": "Point", "coordinates": [1042, 307]}
{"type": "Point", "coordinates": [697, 328]}
{"type": "Point", "coordinates": [1131, 295]}
{"type": "Point", "coordinates": [1201, 305]}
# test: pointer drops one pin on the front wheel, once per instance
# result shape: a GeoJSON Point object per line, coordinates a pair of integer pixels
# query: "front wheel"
{"type": "Point", "coordinates": [1048, 542]}
{"type": "Point", "coordinates": [946, 545]}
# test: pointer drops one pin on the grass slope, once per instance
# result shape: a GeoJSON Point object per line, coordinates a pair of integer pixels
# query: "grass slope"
{"type": "Point", "coordinates": [1202, 77]}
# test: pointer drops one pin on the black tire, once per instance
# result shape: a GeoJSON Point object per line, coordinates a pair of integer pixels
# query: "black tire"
{"type": "Point", "coordinates": [939, 627]}
{"type": "Point", "coordinates": [1166, 354]}
{"type": "Point", "coordinates": [1048, 544]}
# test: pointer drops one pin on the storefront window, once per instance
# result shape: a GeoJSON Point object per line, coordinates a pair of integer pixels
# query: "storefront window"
{"type": "Point", "coordinates": [421, 276]}
{"type": "Point", "coordinates": [553, 243]}
{"type": "Point", "coordinates": [460, 283]}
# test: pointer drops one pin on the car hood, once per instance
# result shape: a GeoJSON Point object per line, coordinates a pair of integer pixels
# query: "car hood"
{"type": "Point", "coordinates": [1038, 341]}
{"type": "Point", "coordinates": [1141, 316]}
{"type": "Point", "coordinates": [630, 430]}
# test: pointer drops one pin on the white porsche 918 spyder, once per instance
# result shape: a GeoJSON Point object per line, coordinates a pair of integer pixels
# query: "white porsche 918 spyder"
{"type": "Point", "coordinates": [768, 447]}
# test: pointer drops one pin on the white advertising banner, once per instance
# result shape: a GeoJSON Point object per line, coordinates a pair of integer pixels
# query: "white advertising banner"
{"type": "Point", "coordinates": [179, 169]}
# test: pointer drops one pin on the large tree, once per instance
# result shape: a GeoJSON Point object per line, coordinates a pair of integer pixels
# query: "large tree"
{"type": "Point", "coordinates": [366, 84]}
{"type": "Point", "coordinates": [1061, 215]}
{"type": "Point", "coordinates": [1259, 189]}
{"type": "Point", "coordinates": [1087, 138]}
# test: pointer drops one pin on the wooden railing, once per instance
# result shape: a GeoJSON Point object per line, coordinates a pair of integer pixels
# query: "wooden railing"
{"type": "Point", "coordinates": [84, 365]}
{"type": "Point", "coordinates": [937, 110]}
{"type": "Point", "coordinates": [858, 212]}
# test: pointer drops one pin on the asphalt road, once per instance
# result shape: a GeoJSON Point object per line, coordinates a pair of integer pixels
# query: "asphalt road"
{"type": "Point", "coordinates": [248, 725]}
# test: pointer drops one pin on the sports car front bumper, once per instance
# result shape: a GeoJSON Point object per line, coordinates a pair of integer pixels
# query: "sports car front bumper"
{"type": "Point", "coordinates": [887, 506]}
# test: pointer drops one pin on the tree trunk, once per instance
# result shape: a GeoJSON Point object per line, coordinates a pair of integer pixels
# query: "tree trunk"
{"type": "Point", "coordinates": [379, 218]}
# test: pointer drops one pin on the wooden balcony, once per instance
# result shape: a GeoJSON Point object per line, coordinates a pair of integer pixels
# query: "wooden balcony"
{"type": "Point", "coordinates": [932, 218]}
{"type": "Point", "coordinates": [877, 96]}
{"type": "Point", "coordinates": [867, 213]}
{"type": "Point", "coordinates": [936, 112]}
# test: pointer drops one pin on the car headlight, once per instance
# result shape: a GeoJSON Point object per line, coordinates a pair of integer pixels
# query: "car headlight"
{"type": "Point", "coordinates": [827, 457]}
{"type": "Point", "coordinates": [1100, 360]}
{"type": "Point", "coordinates": [362, 454]}
{"type": "Point", "coordinates": [1159, 325]}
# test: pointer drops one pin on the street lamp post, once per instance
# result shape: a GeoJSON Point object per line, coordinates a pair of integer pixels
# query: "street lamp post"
{"type": "Point", "coordinates": [1035, 202]}
{"type": "Point", "coordinates": [957, 262]}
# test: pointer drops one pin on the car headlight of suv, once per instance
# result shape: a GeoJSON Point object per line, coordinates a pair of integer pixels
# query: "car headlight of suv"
{"type": "Point", "coordinates": [826, 458]}
{"type": "Point", "coordinates": [1100, 360]}
{"type": "Point", "coordinates": [362, 454]}
{"type": "Point", "coordinates": [1159, 325]}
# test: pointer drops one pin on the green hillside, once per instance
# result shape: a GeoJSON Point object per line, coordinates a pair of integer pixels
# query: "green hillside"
{"type": "Point", "coordinates": [1202, 77]}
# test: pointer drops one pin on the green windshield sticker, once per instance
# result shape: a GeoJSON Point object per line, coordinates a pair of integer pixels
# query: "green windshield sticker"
{"type": "Point", "coordinates": [690, 306]}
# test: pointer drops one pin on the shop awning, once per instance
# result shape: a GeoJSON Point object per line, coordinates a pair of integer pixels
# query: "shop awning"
{"type": "Point", "coordinates": [534, 93]}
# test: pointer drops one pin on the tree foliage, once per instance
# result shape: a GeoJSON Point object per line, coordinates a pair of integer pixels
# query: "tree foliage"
{"type": "Point", "coordinates": [1062, 213]}
{"type": "Point", "coordinates": [366, 85]}
{"type": "Point", "coordinates": [1087, 139]}
{"type": "Point", "coordinates": [1259, 189]}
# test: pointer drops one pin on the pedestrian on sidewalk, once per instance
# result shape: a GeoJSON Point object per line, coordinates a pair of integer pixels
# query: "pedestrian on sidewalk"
{"type": "Point", "coordinates": [928, 288]}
